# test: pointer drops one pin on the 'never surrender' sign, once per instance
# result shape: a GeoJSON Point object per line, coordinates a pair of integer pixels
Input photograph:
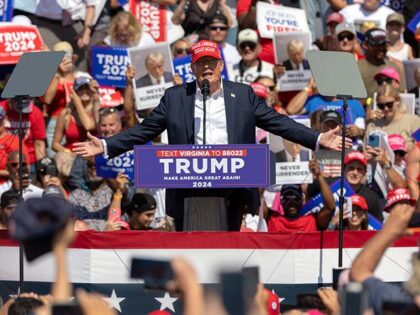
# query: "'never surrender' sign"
{"type": "Point", "coordinates": [198, 166]}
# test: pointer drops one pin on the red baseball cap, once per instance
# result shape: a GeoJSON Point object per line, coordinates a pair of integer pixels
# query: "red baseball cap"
{"type": "Point", "coordinates": [204, 48]}
{"type": "Point", "coordinates": [388, 72]}
{"type": "Point", "coordinates": [396, 195]}
{"type": "Point", "coordinates": [359, 201]}
{"type": "Point", "coordinates": [397, 142]}
{"type": "Point", "coordinates": [260, 89]}
{"type": "Point", "coordinates": [273, 304]}
{"type": "Point", "coordinates": [355, 156]}
{"type": "Point", "coordinates": [159, 313]}
{"type": "Point", "coordinates": [335, 17]}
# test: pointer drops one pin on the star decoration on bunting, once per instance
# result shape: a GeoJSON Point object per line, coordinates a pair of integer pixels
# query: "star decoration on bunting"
{"type": "Point", "coordinates": [114, 301]}
{"type": "Point", "coordinates": [166, 302]}
{"type": "Point", "coordinates": [280, 298]}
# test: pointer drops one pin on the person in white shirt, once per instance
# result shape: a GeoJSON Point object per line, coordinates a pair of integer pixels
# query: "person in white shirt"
{"type": "Point", "coordinates": [397, 48]}
{"type": "Point", "coordinates": [250, 67]}
{"type": "Point", "coordinates": [370, 10]}
{"type": "Point", "coordinates": [218, 30]}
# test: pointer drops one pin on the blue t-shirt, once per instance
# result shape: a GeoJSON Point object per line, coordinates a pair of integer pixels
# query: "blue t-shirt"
{"type": "Point", "coordinates": [355, 109]}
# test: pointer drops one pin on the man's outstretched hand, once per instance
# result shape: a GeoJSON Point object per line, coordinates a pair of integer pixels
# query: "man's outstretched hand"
{"type": "Point", "coordinates": [332, 140]}
{"type": "Point", "coordinates": [89, 148]}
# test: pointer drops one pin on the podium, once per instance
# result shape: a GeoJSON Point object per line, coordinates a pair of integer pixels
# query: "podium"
{"type": "Point", "coordinates": [206, 182]}
{"type": "Point", "coordinates": [205, 214]}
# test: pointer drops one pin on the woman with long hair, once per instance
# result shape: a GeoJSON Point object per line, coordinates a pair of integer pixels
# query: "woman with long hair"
{"type": "Point", "coordinates": [389, 116]}
{"type": "Point", "coordinates": [77, 119]}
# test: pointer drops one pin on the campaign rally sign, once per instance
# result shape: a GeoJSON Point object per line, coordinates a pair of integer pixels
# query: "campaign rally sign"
{"type": "Point", "coordinates": [152, 18]}
{"type": "Point", "coordinates": [182, 66]}
{"type": "Point", "coordinates": [273, 18]}
{"type": "Point", "coordinates": [294, 80]}
{"type": "Point", "coordinates": [316, 203]}
{"type": "Point", "coordinates": [109, 168]}
{"type": "Point", "coordinates": [109, 65]}
{"type": "Point", "coordinates": [291, 159]}
{"type": "Point", "coordinates": [414, 23]}
{"type": "Point", "coordinates": [198, 166]}
{"type": "Point", "coordinates": [110, 97]}
{"type": "Point", "coordinates": [16, 40]}
{"type": "Point", "coordinates": [6, 10]}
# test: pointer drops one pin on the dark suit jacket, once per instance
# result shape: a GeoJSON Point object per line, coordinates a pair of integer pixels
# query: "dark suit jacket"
{"type": "Point", "coordinates": [175, 113]}
{"type": "Point", "coordinates": [146, 81]}
{"type": "Point", "coordinates": [282, 157]}
{"type": "Point", "coordinates": [288, 64]}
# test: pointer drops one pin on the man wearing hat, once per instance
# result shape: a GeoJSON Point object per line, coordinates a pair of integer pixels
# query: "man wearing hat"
{"type": "Point", "coordinates": [233, 112]}
{"type": "Point", "coordinates": [375, 44]}
{"type": "Point", "coordinates": [292, 200]}
{"type": "Point", "coordinates": [218, 30]}
{"type": "Point", "coordinates": [355, 168]}
{"type": "Point", "coordinates": [251, 66]}
{"type": "Point", "coordinates": [8, 204]}
{"type": "Point", "coordinates": [141, 211]}
{"type": "Point", "coordinates": [395, 25]}
{"type": "Point", "coordinates": [347, 40]}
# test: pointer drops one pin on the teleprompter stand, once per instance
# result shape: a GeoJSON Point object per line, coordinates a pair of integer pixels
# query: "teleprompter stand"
{"type": "Point", "coordinates": [336, 75]}
{"type": "Point", "coordinates": [30, 78]}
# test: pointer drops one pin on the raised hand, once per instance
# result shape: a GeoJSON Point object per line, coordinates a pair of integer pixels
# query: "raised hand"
{"type": "Point", "coordinates": [332, 140]}
{"type": "Point", "coordinates": [89, 148]}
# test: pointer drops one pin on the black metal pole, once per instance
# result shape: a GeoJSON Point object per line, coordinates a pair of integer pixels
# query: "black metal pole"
{"type": "Point", "coordinates": [341, 197]}
{"type": "Point", "coordinates": [204, 117]}
{"type": "Point", "coordinates": [20, 131]}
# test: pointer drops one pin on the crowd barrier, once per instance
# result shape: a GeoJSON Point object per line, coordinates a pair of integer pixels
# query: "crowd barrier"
{"type": "Point", "coordinates": [289, 263]}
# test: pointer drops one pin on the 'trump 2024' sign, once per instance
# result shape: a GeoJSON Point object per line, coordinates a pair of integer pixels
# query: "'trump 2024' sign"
{"type": "Point", "coordinates": [197, 166]}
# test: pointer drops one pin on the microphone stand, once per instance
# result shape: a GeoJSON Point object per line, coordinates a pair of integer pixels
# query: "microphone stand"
{"type": "Point", "coordinates": [344, 98]}
{"type": "Point", "coordinates": [205, 90]}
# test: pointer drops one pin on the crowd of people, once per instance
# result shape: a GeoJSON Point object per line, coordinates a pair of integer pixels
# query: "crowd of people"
{"type": "Point", "coordinates": [382, 166]}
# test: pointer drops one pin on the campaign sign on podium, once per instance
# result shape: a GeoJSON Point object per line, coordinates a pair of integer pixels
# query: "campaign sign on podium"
{"type": "Point", "coordinates": [202, 166]}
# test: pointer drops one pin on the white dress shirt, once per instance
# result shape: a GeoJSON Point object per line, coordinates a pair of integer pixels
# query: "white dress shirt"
{"type": "Point", "coordinates": [216, 128]}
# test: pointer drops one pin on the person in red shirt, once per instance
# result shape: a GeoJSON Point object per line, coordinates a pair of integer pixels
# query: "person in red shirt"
{"type": "Point", "coordinates": [292, 201]}
{"type": "Point", "coordinates": [33, 128]}
{"type": "Point", "coordinates": [8, 143]}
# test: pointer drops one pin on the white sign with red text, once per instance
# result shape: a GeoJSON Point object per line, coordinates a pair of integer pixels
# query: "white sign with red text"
{"type": "Point", "coordinates": [277, 18]}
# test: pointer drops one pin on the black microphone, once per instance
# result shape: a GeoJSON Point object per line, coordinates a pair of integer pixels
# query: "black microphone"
{"type": "Point", "coordinates": [205, 90]}
{"type": "Point", "coordinates": [205, 87]}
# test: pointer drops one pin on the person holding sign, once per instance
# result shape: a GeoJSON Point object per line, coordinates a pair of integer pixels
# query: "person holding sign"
{"type": "Point", "coordinates": [292, 201]}
{"type": "Point", "coordinates": [233, 114]}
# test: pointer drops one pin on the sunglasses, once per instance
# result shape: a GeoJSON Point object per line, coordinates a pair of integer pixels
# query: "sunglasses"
{"type": "Point", "coordinates": [107, 110]}
{"type": "Point", "coordinates": [341, 37]}
{"type": "Point", "coordinates": [383, 80]}
{"type": "Point", "coordinates": [291, 197]}
{"type": "Point", "coordinates": [14, 164]}
{"type": "Point", "coordinates": [218, 28]}
{"type": "Point", "coordinates": [180, 51]}
{"type": "Point", "coordinates": [387, 104]}
{"type": "Point", "coordinates": [247, 44]}
{"type": "Point", "coordinates": [271, 87]}
{"type": "Point", "coordinates": [400, 153]}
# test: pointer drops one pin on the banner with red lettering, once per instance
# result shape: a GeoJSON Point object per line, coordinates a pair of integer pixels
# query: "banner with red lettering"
{"type": "Point", "coordinates": [16, 40]}
{"type": "Point", "coordinates": [273, 18]}
{"type": "Point", "coordinates": [152, 17]}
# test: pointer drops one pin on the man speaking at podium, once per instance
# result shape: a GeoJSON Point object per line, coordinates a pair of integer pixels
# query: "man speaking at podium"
{"type": "Point", "coordinates": [233, 111]}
